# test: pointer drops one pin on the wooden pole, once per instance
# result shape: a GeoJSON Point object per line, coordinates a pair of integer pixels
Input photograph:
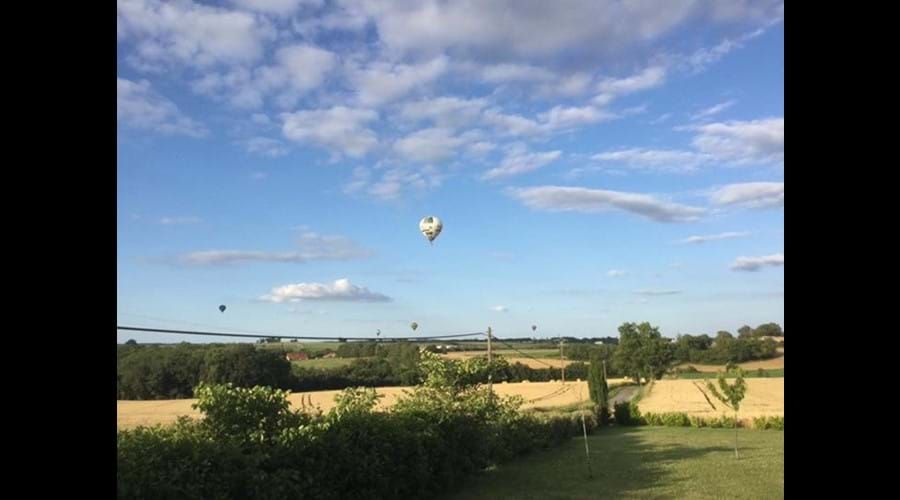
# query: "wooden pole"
{"type": "Point", "coordinates": [490, 369]}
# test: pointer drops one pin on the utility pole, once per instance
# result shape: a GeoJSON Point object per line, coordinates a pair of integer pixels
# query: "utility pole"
{"type": "Point", "coordinates": [490, 369]}
{"type": "Point", "coordinates": [562, 363]}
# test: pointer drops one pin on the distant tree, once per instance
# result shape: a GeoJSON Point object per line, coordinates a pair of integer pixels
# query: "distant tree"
{"type": "Point", "coordinates": [642, 352]}
{"type": "Point", "coordinates": [769, 330]}
{"type": "Point", "coordinates": [745, 331]}
{"type": "Point", "coordinates": [131, 342]}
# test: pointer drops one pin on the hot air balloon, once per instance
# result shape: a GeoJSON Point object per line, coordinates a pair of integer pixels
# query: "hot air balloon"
{"type": "Point", "coordinates": [414, 325]}
{"type": "Point", "coordinates": [533, 327]}
{"type": "Point", "coordinates": [378, 333]}
{"type": "Point", "coordinates": [431, 227]}
{"type": "Point", "coordinates": [222, 308]}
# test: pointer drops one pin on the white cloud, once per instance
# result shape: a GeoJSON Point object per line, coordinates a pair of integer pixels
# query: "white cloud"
{"type": "Point", "coordinates": [182, 32]}
{"type": "Point", "coordinates": [651, 77]}
{"type": "Point", "coordinates": [560, 117]}
{"type": "Point", "coordinates": [661, 118]}
{"type": "Point", "coordinates": [170, 221]}
{"type": "Point", "coordinates": [615, 273]}
{"type": "Point", "coordinates": [658, 159]}
{"type": "Point", "coordinates": [277, 7]}
{"type": "Point", "coordinates": [750, 194]}
{"type": "Point", "coordinates": [501, 309]}
{"type": "Point", "coordinates": [297, 70]}
{"type": "Point", "coordinates": [449, 112]}
{"type": "Point", "coordinates": [713, 110]}
{"type": "Point", "coordinates": [311, 247]}
{"type": "Point", "coordinates": [138, 106]}
{"type": "Point", "coordinates": [428, 145]}
{"type": "Point", "coordinates": [394, 182]}
{"type": "Point", "coordinates": [504, 73]}
{"type": "Point", "coordinates": [264, 146]}
{"type": "Point", "coordinates": [656, 293]}
{"type": "Point", "coordinates": [338, 129]}
{"type": "Point", "coordinates": [714, 237]}
{"type": "Point", "coordinates": [757, 263]}
{"type": "Point", "coordinates": [341, 290]}
{"type": "Point", "coordinates": [519, 160]}
{"type": "Point", "coordinates": [510, 124]}
{"type": "Point", "coordinates": [259, 176]}
{"type": "Point", "coordinates": [743, 141]}
{"type": "Point", "coordinates": [578, 199]}
{"type": "Point", "coordinates": [517, 29]}
{"type": "Point", "coordinates": [381, 82]}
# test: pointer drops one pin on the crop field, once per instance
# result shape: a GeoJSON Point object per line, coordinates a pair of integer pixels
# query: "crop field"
{"type": "Point", "coordinates": [543, 394]}
{"type": "Point", "coordinates": [765, 396]}
{"type": "Point", "coordinates": [766, 364]}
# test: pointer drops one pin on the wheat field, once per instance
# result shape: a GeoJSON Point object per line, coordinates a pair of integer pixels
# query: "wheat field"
{"type": "Point", "coordinates": [765, 396]}
{"type": "Point", "coordinates": [134, 413]}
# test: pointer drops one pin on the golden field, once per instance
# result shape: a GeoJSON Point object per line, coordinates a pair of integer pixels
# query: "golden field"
{"type": "Point", "coordinates": [133, 413]}
{"type": "Point", "coordinates": [765, 396]}
{"type": "Point", "coordinates": [765, 364]}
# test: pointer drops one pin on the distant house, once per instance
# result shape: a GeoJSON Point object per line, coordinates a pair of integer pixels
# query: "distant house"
{"type": "Point", "coordinates": [296, 356]}
{"type": "Point", "coordinates": [330, 355]}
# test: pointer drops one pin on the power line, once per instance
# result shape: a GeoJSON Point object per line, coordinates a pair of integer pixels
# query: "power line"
{"type": "Point", "coordinates": [522, 353]}
{"type": "Point", "coordinates": [264, 336]}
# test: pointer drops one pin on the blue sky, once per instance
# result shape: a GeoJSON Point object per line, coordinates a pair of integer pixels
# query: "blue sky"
{"type": "Point", "coordinates": [592, 162]}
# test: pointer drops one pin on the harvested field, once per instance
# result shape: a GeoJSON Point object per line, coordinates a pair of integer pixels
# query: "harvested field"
{"type": "Point", "coordinates": [765, 364]}
{"type": "Point", "coordinates": [133, 413]}
{"type": "Point", "coordinates": [765, 396]}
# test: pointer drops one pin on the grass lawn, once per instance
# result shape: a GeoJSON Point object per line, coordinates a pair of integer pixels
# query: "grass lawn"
{"type": "Point", "coordinates": [644, 462]}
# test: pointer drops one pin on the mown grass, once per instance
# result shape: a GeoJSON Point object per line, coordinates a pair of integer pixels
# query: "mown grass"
{"type": "Point", "coordinates": [644, 462]}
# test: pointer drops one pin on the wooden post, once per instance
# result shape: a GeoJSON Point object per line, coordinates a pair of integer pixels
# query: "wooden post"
{"type": "Point", "coordinates": [490, 369]}
{"type": "Point", "coordinates": [562, 364]}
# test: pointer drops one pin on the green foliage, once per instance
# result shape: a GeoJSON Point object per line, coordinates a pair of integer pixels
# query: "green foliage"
{"type": "Point", "coordinates": [250, 445]}
{"type": "Point", "coordinates": [769, 422]}
{"type": "Point", "coordinates": [599, 389]}
{"type": "Point", "coordinates": [627, 413]}
{"type": "Point", "coordinates": [731, 395]}
{"type": "Point", "coordinates": [642, 352]}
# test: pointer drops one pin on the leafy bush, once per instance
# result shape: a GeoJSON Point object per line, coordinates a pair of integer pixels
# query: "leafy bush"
{"type": "Point", "coordinates": [769, 422]}
{"type": "Point", "coordinates": [627, 413]}
{"type": "Point", "coordinates": [251, 445]}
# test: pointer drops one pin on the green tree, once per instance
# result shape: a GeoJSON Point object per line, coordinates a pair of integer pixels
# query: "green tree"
{"type": "Point", "coordinates": [729, 395]}
{"type": "Point", "coordinates": [745, 331]}
{"type": "Point", "coordinates": [642, 352]}
{"type": "Point", "coordinates": [598, 388]}
{"type": "Point", "coordinates": [769, 330]}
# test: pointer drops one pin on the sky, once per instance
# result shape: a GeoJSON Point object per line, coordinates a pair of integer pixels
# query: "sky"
{"type": "Point", "coordinates": [593, 162]}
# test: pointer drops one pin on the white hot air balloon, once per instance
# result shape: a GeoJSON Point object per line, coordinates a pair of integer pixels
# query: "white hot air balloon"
{"type": "Point", "coordinates": [430, 227]}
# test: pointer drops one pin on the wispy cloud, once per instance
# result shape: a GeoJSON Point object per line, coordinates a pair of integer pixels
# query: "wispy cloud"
{"type": "Point", "coordinates": [714, 237]}
{"type": "Point", "coordinates": [501, 309]}
{"type": "Point", "coordinates": [655, 293]}
{"type": "Point", "coordinates": [750, 194]}
{"type": "Point", "coordinates": [579, 199]}
{"type": "Point", "coordinates": [615, 273]}
{"type": "Point", "coordinates": [170, 221]}
{"type": "Point", "coordinates": [757, 263]}
{"type": "Point", "coordinates": [312, 247]}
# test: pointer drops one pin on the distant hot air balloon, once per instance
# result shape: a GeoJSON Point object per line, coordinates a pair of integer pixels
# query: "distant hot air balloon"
{"type": "Point", "coordinates": [414, 325]}
{"type": "Point", "coordinates": [222, 308]}
{"type": "Point", "coordinates": [431, 227]}
{"type": "Point", "coordinates": [378, 333]}
{"type": "Point", "coordinates": [533, 327]}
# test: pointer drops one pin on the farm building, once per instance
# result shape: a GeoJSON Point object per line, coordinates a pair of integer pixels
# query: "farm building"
{"type": "Point", "coordinates": [296, 356]}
